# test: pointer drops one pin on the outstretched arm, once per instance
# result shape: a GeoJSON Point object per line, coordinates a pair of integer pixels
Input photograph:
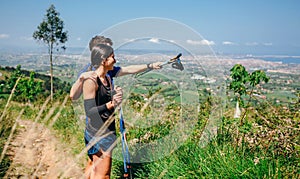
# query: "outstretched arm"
{"type": "Point", "coordinates": [133, 69]}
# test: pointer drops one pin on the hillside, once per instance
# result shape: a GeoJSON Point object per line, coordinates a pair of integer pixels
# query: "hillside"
{"type": "Point", "coordinates": [168, 135]}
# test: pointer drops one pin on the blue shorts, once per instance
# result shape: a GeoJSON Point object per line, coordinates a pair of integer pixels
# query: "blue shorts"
{"type": "Point", "coordinates": [104, 143]}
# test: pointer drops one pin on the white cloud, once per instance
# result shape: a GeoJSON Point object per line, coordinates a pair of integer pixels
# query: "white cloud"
{"type": "Point", "coordinates": [267, 44]}
{"type": "Point", "coordinates": [228, 43]}
{"type": "Point", "coordinates": [154, 40]}
{"type": "Point", "coordinates": [78, 39]}
{"type": "Point", "coordinates": [4, 36]}
{"type": "Point", "coordinates": [252, 44]}
{"type": "Point", "coordinates": [201, 42]}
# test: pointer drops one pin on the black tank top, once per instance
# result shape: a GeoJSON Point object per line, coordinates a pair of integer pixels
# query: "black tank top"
{"type": "Point", "coordinates": [103, 95]}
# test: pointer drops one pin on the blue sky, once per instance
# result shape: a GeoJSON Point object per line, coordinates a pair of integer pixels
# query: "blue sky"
{"type": "Point", "coordinates": [233, 26]}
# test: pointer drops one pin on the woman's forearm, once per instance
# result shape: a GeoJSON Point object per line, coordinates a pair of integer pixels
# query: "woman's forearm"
{"type": "Point", "coordinates": [132, 69]}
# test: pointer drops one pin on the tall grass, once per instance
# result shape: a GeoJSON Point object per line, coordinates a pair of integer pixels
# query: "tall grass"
{"type": "Point", "coordinates": [6, 131]}
{"type": "Point", "coordinates": [213, 161]}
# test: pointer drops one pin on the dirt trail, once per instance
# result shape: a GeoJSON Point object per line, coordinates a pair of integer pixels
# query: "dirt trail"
{"type": "Point", "coordinates": [37, 153]}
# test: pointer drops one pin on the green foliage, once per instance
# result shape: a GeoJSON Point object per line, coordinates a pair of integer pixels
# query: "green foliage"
{"type": "Point", "coordinates": [27, 89]}
{"type": "Point", "coordinates": [239, 77]}
{"type": "Point", "coordinates": [31, 85]}
{"type": "Point", "coordinates": [4, 165]}
{"type": "Point", "coordinates": [257, 76]}
{"type": "Point", "coordinates": [10, 82]}
{"type": "Point", "coordinates": [51, 30]}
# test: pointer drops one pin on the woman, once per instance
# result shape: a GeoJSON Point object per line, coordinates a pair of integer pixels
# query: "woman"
{"type": "Point", "coordinates": [117, 71]}
{"type": "Point", "coordinates": [99, 104]}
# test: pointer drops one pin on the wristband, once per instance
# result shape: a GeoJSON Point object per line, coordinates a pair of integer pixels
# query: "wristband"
{"type": "Point", "coordinates": [148, 66]}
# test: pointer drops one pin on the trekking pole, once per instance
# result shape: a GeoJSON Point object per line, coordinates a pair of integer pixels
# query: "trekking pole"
{"type": "Point", "coordinates": [126, 157]}
{"type": "Point", "coordinates": [176, 63]}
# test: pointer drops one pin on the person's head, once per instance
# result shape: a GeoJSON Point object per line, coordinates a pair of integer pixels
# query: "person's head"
{"type": "Point", "coordinates": [99, 40]}
{"type": "Point", "coordinates": [102, 54]}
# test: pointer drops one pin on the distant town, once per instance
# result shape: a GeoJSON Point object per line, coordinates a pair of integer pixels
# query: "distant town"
{"type": "Point", "coordinates": [208, 69]}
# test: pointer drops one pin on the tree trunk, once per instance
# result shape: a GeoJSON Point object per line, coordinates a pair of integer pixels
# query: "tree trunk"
{"type": "Point", "coordinates": [51, 74]}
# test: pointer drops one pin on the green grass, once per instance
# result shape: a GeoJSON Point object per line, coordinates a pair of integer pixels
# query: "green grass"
{"type": "Point", "coordinates": [216, 161]}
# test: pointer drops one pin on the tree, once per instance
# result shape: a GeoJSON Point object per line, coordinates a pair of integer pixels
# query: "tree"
{"type": "Point", "coordinates": [51, 32]}
{"type": "Point", "coordinates": [239, 76]}
{"type": "Point", "coordinates": [240, 81]}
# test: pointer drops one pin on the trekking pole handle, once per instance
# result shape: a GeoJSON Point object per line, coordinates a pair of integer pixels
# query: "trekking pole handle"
{"type": "Point", "coordinates": [163, 64]}
{"type": "Point", "coordinates": [178, 56]}
{"type": "Point", "coordinates": [171, 60]}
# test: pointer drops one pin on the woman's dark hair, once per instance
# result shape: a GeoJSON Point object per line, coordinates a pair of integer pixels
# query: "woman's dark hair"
{"type": "Point", "coordinates": [99, 40]}
{"type": "Point", "coordinates": [99, 53]}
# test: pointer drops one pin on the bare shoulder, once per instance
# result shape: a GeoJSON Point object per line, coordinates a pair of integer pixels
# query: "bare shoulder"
{"type": "Point", "coordinates": [89, 74]}
{"type": "Point", "coordinates": [89, 88]}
